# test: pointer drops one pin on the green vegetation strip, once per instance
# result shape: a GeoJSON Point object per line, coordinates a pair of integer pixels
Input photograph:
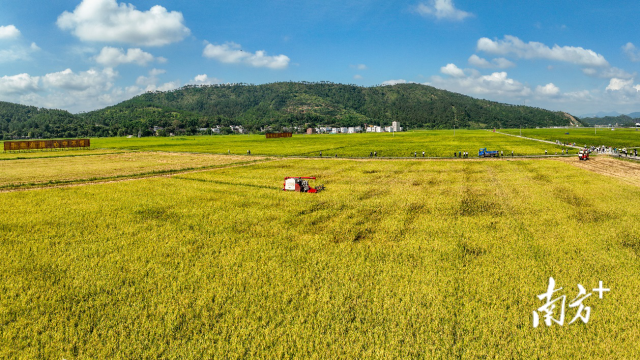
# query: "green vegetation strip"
{"type": "Point", "coordinates": [440, 143]}
{"type": "Point", "coordinates": [619, 138]}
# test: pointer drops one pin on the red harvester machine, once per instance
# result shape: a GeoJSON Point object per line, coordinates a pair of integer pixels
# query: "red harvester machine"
{"type": "Point", "coordinates": [300, 184]}
{"type": "Point", "coordinates": [583, 154]}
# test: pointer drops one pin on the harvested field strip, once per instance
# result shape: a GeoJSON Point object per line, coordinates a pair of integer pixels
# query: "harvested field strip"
{"type": "Point", "coordinates": [57, 154]}
{"type": "Point", "coordinates": [627, 171]}
{"type": "Point", "coordinates": [47, 172]}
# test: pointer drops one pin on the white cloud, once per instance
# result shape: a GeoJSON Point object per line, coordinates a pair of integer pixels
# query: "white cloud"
{"type": "Point", "coordinates": [498, 63]}
{"type": "Point", "coordinates": [112, 57]}
{"type": "Point", "coordinates": [156, 72]}
{"type": "Point", "coordinates": [9, 32]}
{"type": "Point", "coordinates": [108, 21]}
{"type": "Point", "coordinates": [18, 84]}
{"type": "Point", "coordinates": [357, 77]}
{"type": "Point", "coordinates": [632, 52]}
{"type": "Point", "coordinates": [452, 70]}
{"type": "Point", "coordinates": [204, 79]}
{"type": "Point", "coordinates": [548, 90]}
{"type": "Point", "coordinates": [171, 85]}
{"type": "Point", "coordinates": [475, 60]}
{"type": "Point", "coordinates": [394, 82]}
{"type": "Point", "coordinates": [442, 9]}
{"type": "Point", "coordinates": [82, 81]}
{"type": "Point", "coordinates": [14, 54]}
{"type": "Point", "coordinates": [150, 83]}
{"type": "Point", "coordinates": [502, 63]}
{"type": "Point", "coordinates": [359, 67]}
{"type": "Point", "coordinates": [608, 73]}
{"type": "Point", "coordinates": [616, 84]}
{"type": "Point", "coordinates": [496, 84]}
{"type": "Point", "coordinates": [18, 52]}
{"type": "Point", "coordinates": [232, 53]}
{"type": "Point", "coordinates": [511, 45]}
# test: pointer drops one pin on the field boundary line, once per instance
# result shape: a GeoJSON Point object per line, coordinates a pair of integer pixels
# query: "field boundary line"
{"type": "Point", "coordinates": [540, 140]}
{"type": "Point", "coordinates": [116, 179]}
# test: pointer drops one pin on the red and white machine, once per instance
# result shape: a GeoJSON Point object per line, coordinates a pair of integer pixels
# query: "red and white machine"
{"type": "Point", "coordinates": [300, 184]}
{"type": "Point", "coordinates": [583, 154]}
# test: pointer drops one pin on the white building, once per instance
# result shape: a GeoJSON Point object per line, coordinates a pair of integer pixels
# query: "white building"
{"type": "Point", "coordinates": [344, 130]}
{"type": "Point", "coordinates": [396, 126]}
{"type": "Point", "coordinates": [358, 129]}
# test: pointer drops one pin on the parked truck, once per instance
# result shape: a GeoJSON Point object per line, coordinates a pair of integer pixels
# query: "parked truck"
{"type": "Point", "coordinates": [488, 153]}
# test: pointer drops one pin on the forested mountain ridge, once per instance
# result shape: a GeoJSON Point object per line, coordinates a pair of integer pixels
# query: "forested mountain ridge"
{"type": "Point", "coordinates": [30, 121]}
{"type": "Point", "coordinates": [622, 120]}
{"type": "Point", "coordinates": [287, 104]}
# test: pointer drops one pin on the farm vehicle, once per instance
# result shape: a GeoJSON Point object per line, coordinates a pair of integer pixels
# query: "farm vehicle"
{"type": "Point", "coordinates": [300, 184]}
{"type": "Point", "coordinates": [583, 154]}
{"type": "Point", "coordinates": [488, 153]}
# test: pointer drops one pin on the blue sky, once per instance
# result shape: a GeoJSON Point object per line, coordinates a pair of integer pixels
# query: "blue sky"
{"type": "Point", "coordinates": [80, 55]}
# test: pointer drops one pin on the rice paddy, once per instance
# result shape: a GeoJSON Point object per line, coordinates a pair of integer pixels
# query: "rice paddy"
{"type": "Point", "coordinates": [437, 143]}
{"type": "Point", "coordinates": [395, 259]}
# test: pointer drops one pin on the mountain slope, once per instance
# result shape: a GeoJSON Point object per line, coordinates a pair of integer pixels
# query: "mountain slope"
{"type": "Point", "coordinates": [21, 121]}
{"type": "Point", "coordinates": [292, 103]}
{"type": "Point", "coordinates": [289, 103]}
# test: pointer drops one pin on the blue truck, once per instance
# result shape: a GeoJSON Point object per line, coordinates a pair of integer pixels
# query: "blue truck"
{"type": "Point", "coordinates": [488, 153]}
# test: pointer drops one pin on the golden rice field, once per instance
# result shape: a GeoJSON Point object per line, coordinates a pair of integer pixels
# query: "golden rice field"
{"type": "Point", "coordinates": [28, 172]}
{"type": "Point", "coordinates": [395, 259]}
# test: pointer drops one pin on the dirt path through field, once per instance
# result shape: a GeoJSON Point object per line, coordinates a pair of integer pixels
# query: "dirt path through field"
{"type": "Point", "coordinates": [540, 140]}
{"type": "Point", "coordinates": [626, 171]}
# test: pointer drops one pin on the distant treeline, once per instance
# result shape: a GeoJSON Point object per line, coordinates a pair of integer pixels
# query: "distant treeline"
{"type": "Point", "coordinates": [621, 120]}
{"type": "Point", "coordinates": [277, 105]}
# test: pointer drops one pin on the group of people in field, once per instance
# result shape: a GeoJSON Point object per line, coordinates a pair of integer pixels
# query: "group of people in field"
{"type": "Point", "coordinates": [602, 149]}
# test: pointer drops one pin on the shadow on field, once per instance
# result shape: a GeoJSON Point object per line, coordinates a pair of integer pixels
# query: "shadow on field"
{"type": "Point", "coordinates": [227, 183]}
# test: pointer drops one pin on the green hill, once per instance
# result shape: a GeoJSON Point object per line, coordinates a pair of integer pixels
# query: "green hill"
{"type": "Point", "coordinates": [22, 121]}
{"type": "Point", "coordinates": [288, 104]}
